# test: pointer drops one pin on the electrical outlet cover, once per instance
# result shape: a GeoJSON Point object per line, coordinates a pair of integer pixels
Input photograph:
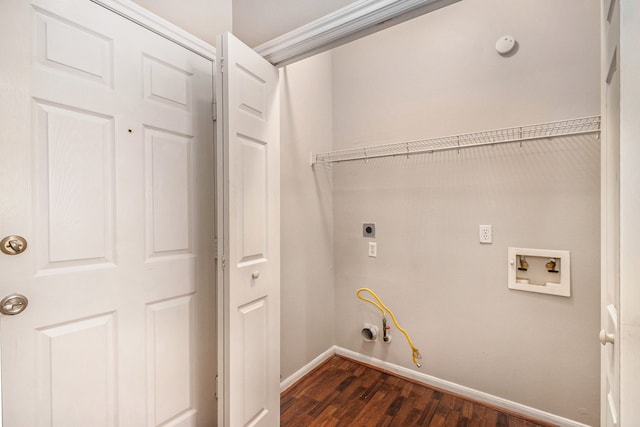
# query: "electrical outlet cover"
{"type": "Point", "coordinates": [485, 234]}
{"type": "Point", "coordinates": [373, 250]}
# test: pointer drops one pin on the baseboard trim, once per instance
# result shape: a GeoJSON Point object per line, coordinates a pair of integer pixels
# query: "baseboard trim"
{"type": "Point", "coordinates": [460, 390]}
{"type": "Point", "coordinates": [296, 376]}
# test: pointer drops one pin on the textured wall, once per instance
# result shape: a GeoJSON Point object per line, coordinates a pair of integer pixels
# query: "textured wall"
{"type": "Point", "coordinates": [439, 75]}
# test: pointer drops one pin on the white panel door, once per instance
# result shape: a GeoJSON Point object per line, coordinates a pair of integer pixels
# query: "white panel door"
{"type": "Point", "coordinates": [107, 171]}
{"type": "Point", "coordinates": [248, 126]}
{"type": "Point", "coordinates": [610, 360]}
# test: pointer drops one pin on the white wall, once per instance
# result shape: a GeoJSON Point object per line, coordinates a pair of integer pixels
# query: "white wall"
{"type": "Point", "coordinates": [307, 289]}
{"type": "Point", "coordinates": [203, 18]}
{"type": "Point", "coordinates": [439, 75]}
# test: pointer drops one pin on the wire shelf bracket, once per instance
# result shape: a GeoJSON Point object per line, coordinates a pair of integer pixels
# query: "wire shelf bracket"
{"type": "Point", "coordinates": [570, 127]}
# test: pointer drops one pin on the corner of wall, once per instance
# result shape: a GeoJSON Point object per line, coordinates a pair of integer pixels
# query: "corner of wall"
{"type": "Point", "coordinates": [307, 289]}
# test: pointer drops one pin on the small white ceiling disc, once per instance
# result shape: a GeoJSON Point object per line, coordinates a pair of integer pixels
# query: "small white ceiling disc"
{"type": "Point", "coordinates": [505, 44]}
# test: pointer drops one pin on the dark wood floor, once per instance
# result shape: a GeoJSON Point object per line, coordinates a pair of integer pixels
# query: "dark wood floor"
{"type": "Point", "coordinates": [343, 392]}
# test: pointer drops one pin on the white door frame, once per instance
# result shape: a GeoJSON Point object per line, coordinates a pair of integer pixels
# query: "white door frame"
{"type": "Point", "coordinates": [621, 225]}
{"type": "Point", "coordinates": [629, 326]}
{"type": "Point", "coordinates": [610, 213]}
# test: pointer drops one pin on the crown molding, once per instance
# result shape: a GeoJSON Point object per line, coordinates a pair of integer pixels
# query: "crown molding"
{"type": "Point", "coordinates": [160, 26]}
{"type": "Point", "coordinates": [349, 23]}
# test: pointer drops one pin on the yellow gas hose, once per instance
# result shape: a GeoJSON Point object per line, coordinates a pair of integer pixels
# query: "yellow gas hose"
{"type": "Point", "coordinates": [415, 353]}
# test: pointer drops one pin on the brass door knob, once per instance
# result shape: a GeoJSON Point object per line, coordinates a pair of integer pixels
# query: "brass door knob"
{"type": "Point", "coordinates": [13, 304]}
{"type": "Point", "coordinates": [13, 245]}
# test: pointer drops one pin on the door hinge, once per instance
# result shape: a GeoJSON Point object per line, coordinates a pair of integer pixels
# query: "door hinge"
{"type": "Point", "coordinates": [222, 65]}
{"type": "Point", "coordinates": [223, 262]}
{"type": "Point", "coordinates": [217, 387]}
{"type": "Point", "coordinates": [214, 111]}
{"type": "Point", "coordinates": [215, 248]}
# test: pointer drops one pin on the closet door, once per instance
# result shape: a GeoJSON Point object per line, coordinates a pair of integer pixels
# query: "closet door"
{"type": "Point", "coordinates": [107, 173]}
{"type": "Point", "coordinates": [610, 296]}
{"type": "Point", "coordinates": [248, 126]}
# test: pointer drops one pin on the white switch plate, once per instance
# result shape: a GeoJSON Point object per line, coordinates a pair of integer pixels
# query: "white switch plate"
{"type": "Point", "coordinates": [485, 234]}
{"type": "Point", "coordinates": [373, 249]}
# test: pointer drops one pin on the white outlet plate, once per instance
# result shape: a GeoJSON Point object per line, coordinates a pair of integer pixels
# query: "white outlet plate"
{"type": "Point", "coordinates": [373, 249]}
{"type": "Point", "coordinates": [485, 234]}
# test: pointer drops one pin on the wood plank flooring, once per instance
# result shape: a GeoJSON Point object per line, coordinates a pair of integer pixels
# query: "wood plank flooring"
{"type": "Point", "coordinates": [343, 392]}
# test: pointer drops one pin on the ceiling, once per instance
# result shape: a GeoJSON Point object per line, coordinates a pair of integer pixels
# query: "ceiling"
{"type": "Point", "coordinates": [258, 21]}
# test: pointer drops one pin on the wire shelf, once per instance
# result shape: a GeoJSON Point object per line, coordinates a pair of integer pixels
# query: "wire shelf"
{"type": "Point", "coordinates": [578, 126]}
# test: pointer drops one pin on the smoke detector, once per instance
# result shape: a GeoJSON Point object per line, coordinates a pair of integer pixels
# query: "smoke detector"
{"type": "Point", "coordinates": [505, 44]}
